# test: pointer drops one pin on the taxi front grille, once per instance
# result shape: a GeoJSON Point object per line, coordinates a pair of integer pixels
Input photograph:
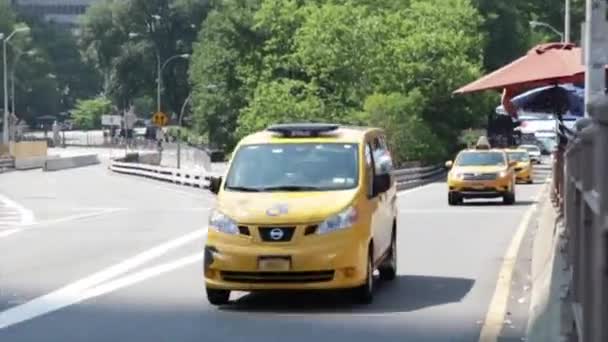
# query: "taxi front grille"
{"type": "Point", "coordinates": [486, 189]}
{"type": "Point", "coordinates": [278, 277]}
{"type": "Point", "coordinates": [480, 176]}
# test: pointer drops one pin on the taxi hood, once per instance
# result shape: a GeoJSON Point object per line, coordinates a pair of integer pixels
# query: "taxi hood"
{"type": "Point", "coordinates": [283, 207]}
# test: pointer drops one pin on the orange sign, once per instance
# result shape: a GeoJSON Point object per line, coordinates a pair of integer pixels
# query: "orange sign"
{"type": "Point", "coordinates": [160, 119]}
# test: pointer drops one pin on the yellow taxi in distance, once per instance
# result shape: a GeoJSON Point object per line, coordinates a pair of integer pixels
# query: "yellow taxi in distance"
{"type": "Point", "coordinates": [303, 207]}
{"type": "Point", "coordinates": [481, 173]}
{"type": "Point", "coordinates": [524, 171]}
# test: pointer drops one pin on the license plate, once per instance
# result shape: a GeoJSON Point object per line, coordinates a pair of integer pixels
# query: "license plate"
{"type": "Point", "coordinates": [478, 187]}
{"type": "Point", "coordinates": [277, 264]}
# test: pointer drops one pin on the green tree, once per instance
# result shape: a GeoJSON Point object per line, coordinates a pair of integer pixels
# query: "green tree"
{"type": "Point", "coordinates": [87, 114]}
{"type": "Point", "coordinates": [409, 136]}
{"type": "Point", "coordinates": [117, 33]}
{"type": "Point", "coordinates": [227, 49]}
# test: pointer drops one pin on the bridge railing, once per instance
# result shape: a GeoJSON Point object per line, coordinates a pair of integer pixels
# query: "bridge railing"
{"type": "Point", "coordinates": [585, 210]}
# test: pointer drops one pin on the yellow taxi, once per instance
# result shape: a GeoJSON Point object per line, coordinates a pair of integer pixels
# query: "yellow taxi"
{"type": "Point", "coordinates": [524, 171]}
{"type": "Point", "coordinates": [481, 173]}
{"type": "Point", "coordinates": [303, 207]}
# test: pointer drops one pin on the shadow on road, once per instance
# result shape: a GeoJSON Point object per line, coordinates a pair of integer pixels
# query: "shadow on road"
{"type": "Point", "coordinates": [404, 294]}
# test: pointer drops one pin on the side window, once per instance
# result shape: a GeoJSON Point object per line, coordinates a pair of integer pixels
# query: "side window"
{"type": "Point", "coordinates": [382, 158]}
{"type": "Point", "coordinates": [369, 163]}
{"type": "Point", "coordinates": [368, 156]}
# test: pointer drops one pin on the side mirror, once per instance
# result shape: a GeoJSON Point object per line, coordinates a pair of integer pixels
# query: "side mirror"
{"type": "Point", "coordinates": [449, 164]}
{"type": "Point", "coordinates": [214, 184]}
{"type": "Point", "coordinates": [381, 184]}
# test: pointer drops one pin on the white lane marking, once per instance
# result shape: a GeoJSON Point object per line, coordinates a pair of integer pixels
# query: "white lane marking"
{"type": "Point", "coordinates": [495, 316]}
{"type": "Point", "coordinates": [75, 292]}
{"type": "Point", "coordinates": [76, 217]}
{"type": "Point", "coordinates": [27, 217]}
{"type": "Point", "coordinates": [7, 233]}
{"type": "Point", "coordinates": [56, 301]}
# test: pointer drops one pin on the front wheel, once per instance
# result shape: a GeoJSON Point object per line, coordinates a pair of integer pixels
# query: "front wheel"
{"type": "Point", "coordinates": [454, 199]}
{"type": "Point", "coordinates": [218, 297]}
{"type": "Point", "coordinates": [388, 270]}
{"type": "Point", "coordinates": [364, 294]}
{"type": "Point", "coordinates": [509, 199]}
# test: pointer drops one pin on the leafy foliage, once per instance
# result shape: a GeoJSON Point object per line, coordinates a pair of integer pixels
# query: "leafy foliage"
{"type": "Point", "coordinates": [87, 114]}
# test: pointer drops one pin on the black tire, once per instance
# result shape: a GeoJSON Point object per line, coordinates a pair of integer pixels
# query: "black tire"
{"type": "Point", "coordinates": [509, 199]}
{"type": "Point", "coordinates": [364, 294]}
{"type": "Point", "coordinates": [454, 199]}
{"type": "Point", "coordinates": [218, 297]}
{"type": "Point", "coordinates": [388, 269]}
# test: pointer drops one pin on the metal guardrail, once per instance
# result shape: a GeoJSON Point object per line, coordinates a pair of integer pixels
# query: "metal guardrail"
{"type": "Point", "coordinates": [413, 177]}
{"type": "Point", "coordinates": [194, 178]}
{"type": "Point", "coordinates": [585, 209]}
{"type": "Point", "coordinates": [405, 178]}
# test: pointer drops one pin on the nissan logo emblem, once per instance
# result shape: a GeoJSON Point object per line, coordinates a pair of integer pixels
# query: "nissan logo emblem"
{"type": "Point", "coordinates": [276, 234]}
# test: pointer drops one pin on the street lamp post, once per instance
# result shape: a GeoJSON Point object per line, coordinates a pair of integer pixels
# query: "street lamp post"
{"type": "Point", "coordinates": [29, 53]}
{"type": "Point", "coordinates": [567, 21]}
{"type": "Point", "coordinates": [535, 24]}
{"type": "Point", "coordinates": [5, 138]}
{"type": "Point", "coordinates": [179, 130]}
{"type": "Point", "coordinates": [160, 66]}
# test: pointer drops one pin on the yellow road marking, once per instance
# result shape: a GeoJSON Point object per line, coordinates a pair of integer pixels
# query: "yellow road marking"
{"type": "Point", "coordinates": [495, 316]}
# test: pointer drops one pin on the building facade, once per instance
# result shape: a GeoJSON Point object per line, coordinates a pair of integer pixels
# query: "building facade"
{"type": "Point", "coordinates": [62, 12]}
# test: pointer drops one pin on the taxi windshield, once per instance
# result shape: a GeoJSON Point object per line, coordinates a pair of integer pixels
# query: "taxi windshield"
{"type": "Point", "coordinates": [480, 159]}
{"type": "Point", "coordinates": [294, 167]}
{"type": "Point", "coordinates": [519, 156]}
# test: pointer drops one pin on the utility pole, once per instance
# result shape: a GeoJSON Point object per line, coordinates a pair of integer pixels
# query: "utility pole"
{"type": "Point", "coordinates": [567, 22]}
{"type": "Point", "coordinates": [595, 45]}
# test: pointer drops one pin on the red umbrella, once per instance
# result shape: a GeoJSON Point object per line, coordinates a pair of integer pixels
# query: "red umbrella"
{"type": "Point", "coordinates": [545, 64]}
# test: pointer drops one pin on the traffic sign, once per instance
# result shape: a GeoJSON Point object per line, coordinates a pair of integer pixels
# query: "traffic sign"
{"type": "Point", "coordinates": [160, 119]}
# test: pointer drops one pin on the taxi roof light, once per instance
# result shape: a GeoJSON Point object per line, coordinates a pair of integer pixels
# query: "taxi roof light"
{"type": "Point", "coordinates": [302, 129]}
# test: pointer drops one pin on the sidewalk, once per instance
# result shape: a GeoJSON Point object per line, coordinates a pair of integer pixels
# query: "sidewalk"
{"type": "Point", "coordinates": [548, 278]}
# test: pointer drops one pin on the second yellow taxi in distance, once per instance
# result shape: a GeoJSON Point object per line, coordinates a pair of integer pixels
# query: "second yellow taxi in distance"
{"type": "Point", "coordinates": [303, 207]}
{"type": "Point", "coordinates": [481, 173]}
{"type": "Point", "coordinates": [524, 171]}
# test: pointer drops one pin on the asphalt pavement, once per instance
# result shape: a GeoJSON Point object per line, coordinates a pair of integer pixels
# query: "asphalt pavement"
{"type": "Point", "coordinates": [95, 256]}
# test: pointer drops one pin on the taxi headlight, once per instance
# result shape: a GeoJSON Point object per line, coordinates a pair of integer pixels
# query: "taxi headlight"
{"type": "Point", "coordinates": [458, 175]}
{"type": "Point", "coordinates": [223, 223]}
{"type": "Point", "coordinates": [340, 221]}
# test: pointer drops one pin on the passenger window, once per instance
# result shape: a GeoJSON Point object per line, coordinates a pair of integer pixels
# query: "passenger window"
{"type": "Point", "coordinates": [382, 158]}
{"type": "Point", "coordinates": [369, 161]}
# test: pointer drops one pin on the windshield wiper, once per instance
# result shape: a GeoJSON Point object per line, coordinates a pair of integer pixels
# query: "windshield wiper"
{"type": "Point", "coordinates": [292, 188]}
{"type": "Point", "coordinates": [243, 188]}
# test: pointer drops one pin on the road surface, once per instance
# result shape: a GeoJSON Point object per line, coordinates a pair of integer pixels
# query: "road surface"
{"type": "Point", "coordinates": [92, 256]}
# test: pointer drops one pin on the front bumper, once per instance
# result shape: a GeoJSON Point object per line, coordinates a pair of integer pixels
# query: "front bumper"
{"type": "Point", "coordinates": [323, 262]}
{"type": "Point", "coordinates": [481, 189]}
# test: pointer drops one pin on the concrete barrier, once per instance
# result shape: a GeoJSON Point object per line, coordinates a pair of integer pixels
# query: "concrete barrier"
{"type": "Point", "coordinates": [548, 278]}
{"type": "Point", "coordinates": [32, 162]}
{"type": "Point", "coordinates": [149, 158]}
{"type": "Point", "coordinates": [71, 162]}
